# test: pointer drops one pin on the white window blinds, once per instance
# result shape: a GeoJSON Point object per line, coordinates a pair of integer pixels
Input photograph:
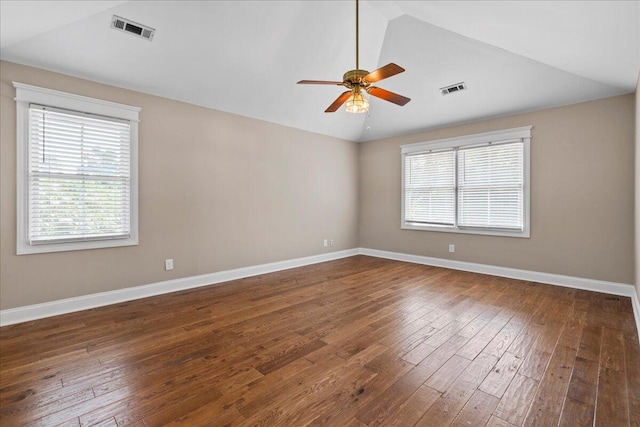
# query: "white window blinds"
{"type": "Point", "coordinates": [490, 186]}
{"type": "Point", "coordinates": [474, 184]}
{"type": "Point", "coordinates": [79, 177]}
{"type": "Point", "coordinates": [430, 188]}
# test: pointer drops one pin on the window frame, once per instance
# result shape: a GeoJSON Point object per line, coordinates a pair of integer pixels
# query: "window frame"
{"type": "Point", "coordinates": [28, 94]}
{"type": "Point", "coordinates": [496, 137]}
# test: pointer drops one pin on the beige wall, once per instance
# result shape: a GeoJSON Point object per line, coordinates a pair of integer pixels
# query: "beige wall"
{"type": "Point", "coordinates": [581, 195]}
{"type": "Point", "coordinates": [637, 122]}
{"type": "Point", "coordinates": [217, 191]}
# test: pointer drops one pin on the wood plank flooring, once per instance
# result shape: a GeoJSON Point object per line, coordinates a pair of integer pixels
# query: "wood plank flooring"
{"type": "Point", "coordinates": [355, 342]}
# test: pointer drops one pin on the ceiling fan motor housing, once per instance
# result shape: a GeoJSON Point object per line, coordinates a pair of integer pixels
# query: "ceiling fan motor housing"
{"type": "Point", "coordinates": [355, 77]}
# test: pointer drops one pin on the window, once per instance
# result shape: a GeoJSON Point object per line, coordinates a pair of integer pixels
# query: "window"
{"type": "Point", "coordinates": [77, 172]}
{"type": "Point", "coordinates": [476, 184]}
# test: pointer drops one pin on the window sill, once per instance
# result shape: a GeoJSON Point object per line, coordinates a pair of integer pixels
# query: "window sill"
{"type": "Point", "coordinates": [445, 229]}
{"type": "Point", "coordinates": [24, 248]}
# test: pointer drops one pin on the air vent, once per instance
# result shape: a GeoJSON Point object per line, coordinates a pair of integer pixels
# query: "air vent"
{"type": "Point", "coordinates": [453, 88]}
{"type": "Point", "coordinates": [132, 28]}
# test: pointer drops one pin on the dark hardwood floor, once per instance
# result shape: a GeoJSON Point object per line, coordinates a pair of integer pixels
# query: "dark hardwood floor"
{"type": "Point", "coordinates": [355, 342]}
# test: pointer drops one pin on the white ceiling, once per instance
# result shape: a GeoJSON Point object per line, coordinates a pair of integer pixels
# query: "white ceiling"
{"type": "Point", "coordinates": [245, 57]}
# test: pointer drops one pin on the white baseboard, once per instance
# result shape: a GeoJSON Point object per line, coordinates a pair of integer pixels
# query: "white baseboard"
{"type": "Point", "coordinates": [69, 305]}
{"type": "Point", "coordinates": [613, 288]}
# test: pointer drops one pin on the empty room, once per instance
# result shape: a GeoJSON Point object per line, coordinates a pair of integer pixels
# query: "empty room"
{"type": "Point", "coordinates": [319, 212]}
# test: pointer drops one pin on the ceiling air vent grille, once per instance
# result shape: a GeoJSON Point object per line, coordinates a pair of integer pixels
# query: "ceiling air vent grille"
{"type": "Point", "coordinates": [132, 28]}
{"type": "Point", "coordinates": [453, 88]}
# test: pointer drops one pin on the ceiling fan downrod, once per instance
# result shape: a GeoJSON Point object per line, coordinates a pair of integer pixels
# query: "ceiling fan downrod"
{"type": "Point", "coordinates": [357, 35]}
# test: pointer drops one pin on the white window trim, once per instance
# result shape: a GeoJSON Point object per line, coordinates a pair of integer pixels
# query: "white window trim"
{"type": "Point", "coordinates": [523, 133]}
{"type": "Point", "coordinates": [28, 94]}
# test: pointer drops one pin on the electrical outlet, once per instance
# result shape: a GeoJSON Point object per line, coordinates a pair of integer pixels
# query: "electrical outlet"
{"type": "Point", "coordinates": [168, 264]}
{"type": "Point", "coordinates": [326, 243]}
{"type": "Point", "coordinates": [452, 248]}
{"type": "Point", "coordinates": [333, 242]}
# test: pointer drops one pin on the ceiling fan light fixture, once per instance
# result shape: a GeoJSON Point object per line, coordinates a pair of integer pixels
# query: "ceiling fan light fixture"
{"type": "Point", "coordinates": [357, 103]}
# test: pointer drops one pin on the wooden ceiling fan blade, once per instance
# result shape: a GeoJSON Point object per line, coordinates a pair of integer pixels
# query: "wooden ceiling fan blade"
{"type": "Point", "coordinates": [319, 82]}
{"type": "Point", "coordinates": [338, 102]}
{"type": "Point", "coordinates": [388, 96]}
{"type": "Point", "coordinates": [383, 72]}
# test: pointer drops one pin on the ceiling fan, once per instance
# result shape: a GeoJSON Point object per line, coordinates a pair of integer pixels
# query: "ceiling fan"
{"type": "Point", "coordinates": [361, 80]}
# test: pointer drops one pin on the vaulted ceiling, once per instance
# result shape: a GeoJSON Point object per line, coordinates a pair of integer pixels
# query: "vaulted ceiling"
{"type": "Point", "coordinates": [245, 57]}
